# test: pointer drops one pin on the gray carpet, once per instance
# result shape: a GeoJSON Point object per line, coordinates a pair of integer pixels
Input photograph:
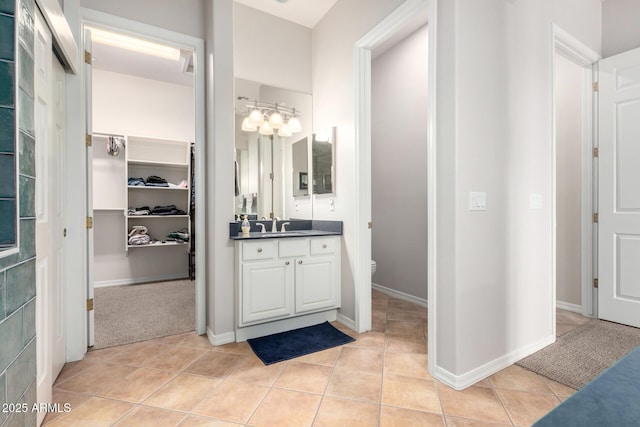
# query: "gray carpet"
{"type": "Point", "coordinates": [580, 355]}
{"type": "Point", "coordinates": [127, 314]}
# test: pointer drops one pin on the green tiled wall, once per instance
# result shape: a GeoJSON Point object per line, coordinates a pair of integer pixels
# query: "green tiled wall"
{"type": "Point", "coordinates": [17, 271]}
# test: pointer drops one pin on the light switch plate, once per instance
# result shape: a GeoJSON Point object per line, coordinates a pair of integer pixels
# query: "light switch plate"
{"type": "Point", "coordinates": [477, 201]}
{"type": "Point", "coordinates": [332, 205]}
{"type": "Point", "coordinates": [536, 201]}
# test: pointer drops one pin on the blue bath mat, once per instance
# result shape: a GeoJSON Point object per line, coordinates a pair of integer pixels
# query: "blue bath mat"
{"type": "Point", "coordinates": [287, 345]}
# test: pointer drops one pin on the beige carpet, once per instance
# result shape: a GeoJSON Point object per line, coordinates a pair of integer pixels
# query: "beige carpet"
{"type": "Point", "coordinates": [127, 314]}
{"type": "Point", "coordinates": [580, 355]}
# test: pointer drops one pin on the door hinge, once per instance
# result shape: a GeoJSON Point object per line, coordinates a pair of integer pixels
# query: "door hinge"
{"type": "Point", "coordinates": [595, 86]}
{"type": "Point", "coordinates": [370, 225]}
{"type": "Point", "coordinates": [271, 176]}
{"type": "Point", "coordinates": [596, 152]}
{"type": "Point", "coordinates": [87, 57]}
{"type": "Point", "coordinates": [90, 304]}
{"type": "Point", "coordinates": [595, 217]}
{"type": "Point", "coordinates": [89, 222]}
{"type": "Point", "coordinates": [87, 140]}
{"type": "Point", "coordinates": [595, 283]}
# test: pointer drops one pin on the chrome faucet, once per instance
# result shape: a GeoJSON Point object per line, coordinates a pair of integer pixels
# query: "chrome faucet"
{"type": "Point", "coordinates": [274, 225]}
{"type": "Point", "coordinates": [262, 227]}
{"type": "Point", "coordinates": [282, 229]}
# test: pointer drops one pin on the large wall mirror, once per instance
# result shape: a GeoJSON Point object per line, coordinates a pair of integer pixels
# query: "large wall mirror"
{"type": "Point", "coordinates": [272, 167]}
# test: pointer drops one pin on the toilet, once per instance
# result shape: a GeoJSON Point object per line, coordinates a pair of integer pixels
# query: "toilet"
{"type": "Point", "coordinates": [373, 268]}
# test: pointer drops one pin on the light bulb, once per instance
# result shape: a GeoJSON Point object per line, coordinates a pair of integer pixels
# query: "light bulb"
{"type": "Point", "coordinates": [247, 126]}
{"type": "Point", "coordinates": [294, 124]}
{"type": "Point", "coordinates": [265, 129]}
{"type": "Point", "coordinates": [276, 120]}
{"type": "Point", "coordinates": [284, 131]}
{"type": "Point", "coordinates": [256, 118]}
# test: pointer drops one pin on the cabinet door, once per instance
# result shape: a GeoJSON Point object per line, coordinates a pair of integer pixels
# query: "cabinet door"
{"type": "Point", "coordinates": [266, 290]}
{"type": "Point", "coordinates": [316, 284]}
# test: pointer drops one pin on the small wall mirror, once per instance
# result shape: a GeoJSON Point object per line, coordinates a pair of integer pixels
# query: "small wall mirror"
{"type": "Point", "coordinates": [323, 161]}
{"type": "Point", "coordinates": [300, 163]}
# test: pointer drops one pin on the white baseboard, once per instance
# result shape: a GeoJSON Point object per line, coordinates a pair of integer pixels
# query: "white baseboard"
{"type": "Point", "coordinates": [221, 339]}
{"type": "Point", "coordinates": [568, 306]}
{"type": "Point", "coordinates": [460, 382]}
{"type": "Point", "coordinates": [400, 295]}
{"type": "Point", "coordinates": [140, 280]}
{"type": "Point", "coordinates": [344, 320]}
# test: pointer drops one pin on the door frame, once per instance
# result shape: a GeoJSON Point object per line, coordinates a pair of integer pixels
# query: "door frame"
{"type": "Point", "coordinates": [563, 43]}
{"type": "Point", "coordinates": [77, 315]}
{"type": "Point", "coordinates": [389, 26]}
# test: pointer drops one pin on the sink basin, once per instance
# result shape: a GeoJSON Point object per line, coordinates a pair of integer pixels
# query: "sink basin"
{"type": "Point", "coordinates": [287, 233]}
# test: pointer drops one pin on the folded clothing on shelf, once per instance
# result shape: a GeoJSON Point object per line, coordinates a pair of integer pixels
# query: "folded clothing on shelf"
{"type": "Point", "coordinates": [156, 181]}
{"type": "Point", "coordinates": [167, 210]}
{"type": "Point", "coordinates": [178, 236]}
{"type": "Point", "coordinates": [135, 182]}
{"type": "Point", "coordinates": [138, 235]}
{"type": "Point", "coordinates": [145, 210]}
{"type": "Point", "coordinates": [139, 239]}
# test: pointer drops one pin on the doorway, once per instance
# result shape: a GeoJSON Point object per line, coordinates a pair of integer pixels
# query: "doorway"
{"type": "Point", "coordinates": [145, 108]}
{"type": "Point", "coordinates": [410, 11]}
{"type": "Point", "coordinates": [573, 177]}
{"type": "Point", "coordinates": [569, 239]}
{"type": "Point", "coordinates": [399, 188]}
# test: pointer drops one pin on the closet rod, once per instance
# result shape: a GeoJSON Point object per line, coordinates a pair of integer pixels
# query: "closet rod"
{"type": "Point", "coordinates": [107, 134]}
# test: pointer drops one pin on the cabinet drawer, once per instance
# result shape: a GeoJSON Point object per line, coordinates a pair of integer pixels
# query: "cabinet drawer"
{"type": "Point", "coordinates": [323, 246]}
{"type": "Point", "coordinates": [258, 250]}
{"type": "Point", "coordinates": [293, 247]}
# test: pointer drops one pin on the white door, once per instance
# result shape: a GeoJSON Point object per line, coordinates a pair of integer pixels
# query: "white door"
{"type": "Point", "coordinates": [267, 290]}
{"type": "Point", "coordinates": [49, 208]}
{"type": "Point", "coordinates": [619, 189]}
{"type": "Point", "coordinates": [316, 284]}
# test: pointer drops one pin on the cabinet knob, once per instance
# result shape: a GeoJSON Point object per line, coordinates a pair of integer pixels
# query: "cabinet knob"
{"type": "Point", "coordinates": [324, 246]}
{"type": "Point", "coordinates": [300, 262]}
{"type": "Point", "coordinates": [286, 263]}
{"type": "Point", "coordinates": [259, 250]}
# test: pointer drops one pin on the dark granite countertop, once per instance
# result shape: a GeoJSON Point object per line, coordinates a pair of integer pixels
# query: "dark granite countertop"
{"type": "Point", "coordinates": [295, 228]}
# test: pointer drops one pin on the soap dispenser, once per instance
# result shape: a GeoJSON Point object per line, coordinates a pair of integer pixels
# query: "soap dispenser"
{"type": "Point", "coordinates": [246, 226]}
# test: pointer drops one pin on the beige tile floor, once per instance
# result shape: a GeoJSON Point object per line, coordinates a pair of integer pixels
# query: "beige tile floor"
{"type": "Point", "coordinates": [379, 380]}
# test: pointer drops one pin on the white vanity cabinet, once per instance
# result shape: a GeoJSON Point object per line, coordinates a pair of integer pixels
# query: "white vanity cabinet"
{"type": "Point", "coordinates": [267, 286]}
{"type": "Point", "coordinates": [286, 279]}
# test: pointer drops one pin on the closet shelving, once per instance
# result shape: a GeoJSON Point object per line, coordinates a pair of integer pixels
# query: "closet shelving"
{"type": "Point", "coordinates": [170, 160]}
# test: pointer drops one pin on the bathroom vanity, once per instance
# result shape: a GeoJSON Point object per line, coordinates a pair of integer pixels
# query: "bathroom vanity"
{"type": "Point", "coordinates": [286, 280]}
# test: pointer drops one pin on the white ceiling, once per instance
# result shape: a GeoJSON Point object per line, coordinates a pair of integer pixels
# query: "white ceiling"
{"type": "Point", "coordinates": [303, 12]}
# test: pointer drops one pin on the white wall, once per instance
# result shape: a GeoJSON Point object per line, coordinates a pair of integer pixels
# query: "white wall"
{"type": "Point", "coordinates": [219, 160]}
{"type": "Point", "coordinates": [494, 279]}
{"type": "Point", "coordinates": [129, 105]}
{"type": "Point", "coordinates": [399, 165]}
{"type": "Point", "coordinates": [184, 16]}
{"type": "Point", "coordinates": [620, 29]}
{"type": "Point", "coordinates": [568, 180]}
{"type": "Point", "coordinates": [333, 39]}
{"type": "Point", "coordinates": [271, 50]}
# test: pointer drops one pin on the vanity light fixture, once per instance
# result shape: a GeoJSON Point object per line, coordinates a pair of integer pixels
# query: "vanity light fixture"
{"type": "Point", "coordinates": [265, 129]}
{"type": "Point", "coordinates": [266, 117]}
{"type": "Point", "coordinates": [134, 44]}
